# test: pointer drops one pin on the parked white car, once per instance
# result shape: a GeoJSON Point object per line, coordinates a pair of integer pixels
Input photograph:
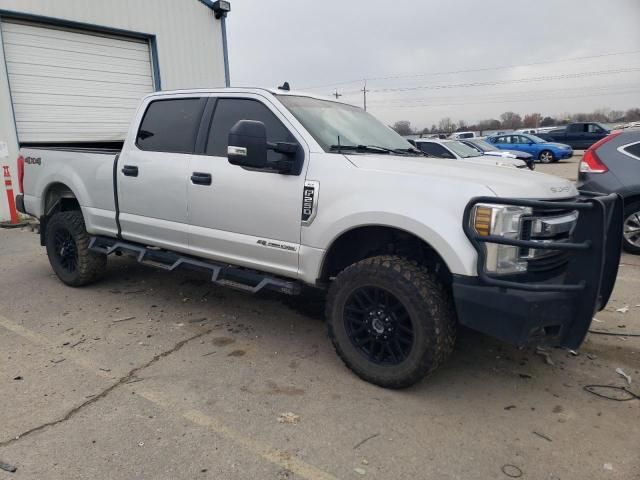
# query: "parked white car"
{"type": "Point", "coordinates": [457, 135]}
{"type": "Point", "coordinates": [455, 150]}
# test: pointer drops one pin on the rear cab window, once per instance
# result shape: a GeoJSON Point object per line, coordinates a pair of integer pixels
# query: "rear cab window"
{"type": "Point", "coordinates": [170, 125]}
{"type": "Point", "coordinates": [435, 150]}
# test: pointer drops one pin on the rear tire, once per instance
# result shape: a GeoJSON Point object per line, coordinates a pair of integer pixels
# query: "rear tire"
{"type": "Point", "coordinates": [631, 234]}
{"type": "Point", "coordinates": [390, 320]}
{"type": "Point", "coordinates": [546, 156]}
{"type": "Point", "coordinates": [67, 243]}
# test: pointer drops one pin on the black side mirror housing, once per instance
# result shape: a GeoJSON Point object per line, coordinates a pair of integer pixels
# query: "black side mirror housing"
{"type": "Point", "coordinates": [247, 145]}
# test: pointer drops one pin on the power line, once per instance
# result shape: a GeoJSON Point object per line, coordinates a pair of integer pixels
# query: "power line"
{"type": "Point", "coordinates": [521, 100]}
{"type": "Point", "coordinates": [614, 87]}
{"type": "Point", "coordinates": [506, 82]}
{"type": "Point", "coordinates": [472, 70]}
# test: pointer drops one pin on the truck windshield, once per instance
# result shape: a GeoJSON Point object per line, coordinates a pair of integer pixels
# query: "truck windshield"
{"type": "Point", "coordinates": [462, 150]}
{"type": "Point", "coordinates": [326, 121]}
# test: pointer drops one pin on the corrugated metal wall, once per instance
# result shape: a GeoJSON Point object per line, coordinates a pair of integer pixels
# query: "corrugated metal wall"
{"type": "Point", "coordinates": [68, 85]}
{"type": "Point", "coordinates": [187, 36]}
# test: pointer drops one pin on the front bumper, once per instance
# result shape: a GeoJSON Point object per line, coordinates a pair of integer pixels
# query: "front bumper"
{"type": "Point", "coordinates": [558, 309]}
{"type": "Point", "coordinates": [566, 154]}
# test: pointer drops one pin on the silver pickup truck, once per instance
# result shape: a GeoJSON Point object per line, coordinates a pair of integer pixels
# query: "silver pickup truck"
{"type": "Point", "coordinates": [271, 189]}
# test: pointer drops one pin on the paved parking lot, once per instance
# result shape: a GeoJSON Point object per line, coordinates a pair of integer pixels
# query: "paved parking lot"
{"type": "Point", "coordinates": [563, 168]}
{"type": "Point", "coordinates": [164, 376]}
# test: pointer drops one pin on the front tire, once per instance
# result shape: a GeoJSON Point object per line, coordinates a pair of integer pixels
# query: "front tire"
{"type": "Point", "coordinates": [390, 320]}
{"type": "Point", "coordinates": [546, 156]}
{"type": "Point", "coordinates": [631, 234]}
{"type": "Point", "coordinates": [67, 243]}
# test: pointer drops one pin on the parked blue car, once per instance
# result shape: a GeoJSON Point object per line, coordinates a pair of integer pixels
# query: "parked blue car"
{"type": "Point", "coordinates": [542, 150]}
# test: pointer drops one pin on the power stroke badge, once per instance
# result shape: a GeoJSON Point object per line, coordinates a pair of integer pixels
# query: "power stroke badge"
{"type": "Point", "coordinates": [309, 201]}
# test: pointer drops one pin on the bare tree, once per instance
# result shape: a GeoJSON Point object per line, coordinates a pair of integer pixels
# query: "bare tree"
{"type": "Point", "coordinates": [532, 120]}
{"type": "Point", "coordinates": [489, 124]}
{"type": "Point", "coordinates": [402, 127]}
{"type": "Point", "coordinates": [548, 122]}
{"type": "Point", "coordinates": [511, 120]}
{"type": "Point", "coordinates": [615, 115]}
{"type": "Point", "coordinates": [446, 125]}
{"type": "Point", "coordinates": [632, 115]}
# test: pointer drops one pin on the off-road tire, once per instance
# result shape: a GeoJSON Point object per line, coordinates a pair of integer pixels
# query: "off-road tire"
{"type": "Point", "coordinates": [626, 244]}
{"type": "Point", "coordinates": [90, 266]}
{"type": "Point", "coordinates": [546, 156]}
{"type": "Point", "coordinates": [425, 299]}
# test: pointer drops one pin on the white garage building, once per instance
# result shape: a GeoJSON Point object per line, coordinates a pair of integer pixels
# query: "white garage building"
{"type": "Point", "coordinates": [75, 70]}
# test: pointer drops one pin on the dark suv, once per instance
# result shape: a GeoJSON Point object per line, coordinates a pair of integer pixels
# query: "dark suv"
{"type": "Point", "coordinates": [613, 165]}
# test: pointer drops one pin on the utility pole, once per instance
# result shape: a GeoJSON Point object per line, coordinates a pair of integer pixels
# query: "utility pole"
{"type": "Point", "coordinates": [364, 94]}
{"type": "Point", "coordinates": [336, 94]}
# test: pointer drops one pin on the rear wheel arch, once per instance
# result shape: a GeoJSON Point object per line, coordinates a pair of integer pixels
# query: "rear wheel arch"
{"type": "Point", "coordinates": [57, 197]}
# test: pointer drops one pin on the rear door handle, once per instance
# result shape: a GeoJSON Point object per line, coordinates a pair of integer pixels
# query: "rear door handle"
{"type": "Point", "coordinates": [130, 171]}
{"type": "Point", "coordinates": [201, 178]}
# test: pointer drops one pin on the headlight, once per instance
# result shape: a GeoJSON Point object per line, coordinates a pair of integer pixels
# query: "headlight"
{"type": "Point", "coordinates": [504, 221]}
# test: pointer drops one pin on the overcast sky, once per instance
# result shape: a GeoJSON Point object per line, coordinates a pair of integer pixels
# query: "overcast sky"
{"type": "Point", "coordinates": [320, 45]}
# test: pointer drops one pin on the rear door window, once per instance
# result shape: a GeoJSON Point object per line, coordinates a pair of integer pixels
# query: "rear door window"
{"type": "Point", "coordinates": [229, 111]}
{"type": "Point", "coordinates": [171, 125]}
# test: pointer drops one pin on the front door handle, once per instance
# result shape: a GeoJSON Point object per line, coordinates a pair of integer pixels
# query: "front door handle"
{"type": "Point", "coordinates": [130, 171]}
{"type": "Point", "coordinates": [201, 178]}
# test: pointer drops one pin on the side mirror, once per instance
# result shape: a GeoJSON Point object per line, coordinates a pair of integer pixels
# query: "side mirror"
{"type": "Point", "coordinates": [247, 145]}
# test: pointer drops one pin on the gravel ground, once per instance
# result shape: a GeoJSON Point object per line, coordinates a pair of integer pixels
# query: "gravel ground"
{"type": "Point", "coordinates": [164, 376]}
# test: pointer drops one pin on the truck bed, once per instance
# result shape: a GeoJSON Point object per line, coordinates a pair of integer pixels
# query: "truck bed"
{"type": "Point", "coordinates": [86, 169]}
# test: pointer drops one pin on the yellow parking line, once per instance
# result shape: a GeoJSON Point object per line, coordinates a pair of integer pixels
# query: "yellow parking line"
{"type": "Point", "coordinates": [273, 455]}
{"type": "Point", "coordinates": [34, 337]}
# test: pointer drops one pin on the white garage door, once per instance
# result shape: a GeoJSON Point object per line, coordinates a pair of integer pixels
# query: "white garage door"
{"type": "Point", "coordinates": [71, 85]}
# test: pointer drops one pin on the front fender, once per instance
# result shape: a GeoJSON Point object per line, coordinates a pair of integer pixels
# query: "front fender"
{"type": "Point", "coordinates": [448, 241]}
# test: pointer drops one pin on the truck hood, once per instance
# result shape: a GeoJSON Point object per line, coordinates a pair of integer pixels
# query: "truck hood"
{"type": "Point", "coordinates": [503, 181]}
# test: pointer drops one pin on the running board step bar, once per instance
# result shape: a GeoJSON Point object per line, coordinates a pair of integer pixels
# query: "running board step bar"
{"type": "Point", "coordinates": [234, 277]}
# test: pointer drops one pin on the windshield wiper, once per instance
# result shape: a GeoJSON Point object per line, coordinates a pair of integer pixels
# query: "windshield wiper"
{"type": "Point", "coordinates": [372, 148]}
{"type": "Point", "coordinates": [359, 148]}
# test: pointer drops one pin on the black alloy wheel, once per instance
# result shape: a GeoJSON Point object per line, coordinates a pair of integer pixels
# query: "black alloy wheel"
{"type": "Point", "coordinates": [66, 250]}
{"type": "Point", "coordinates": [379, 325]}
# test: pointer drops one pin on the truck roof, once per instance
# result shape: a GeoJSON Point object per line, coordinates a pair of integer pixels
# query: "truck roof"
{"type": "Point", "coordinates": [259, 90]}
